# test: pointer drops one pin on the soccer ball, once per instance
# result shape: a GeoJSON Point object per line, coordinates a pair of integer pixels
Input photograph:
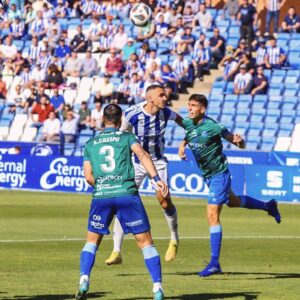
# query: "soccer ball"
{"type": "Point", "coordinates": [140, 14]}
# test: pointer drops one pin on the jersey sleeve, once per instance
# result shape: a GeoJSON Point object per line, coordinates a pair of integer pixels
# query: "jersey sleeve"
{"type": "Point", "coordinates": [223, 131]}
{"type": "Point", "coordinates": [133, 139]}
{"type": "Point", "coordinates": [171, 115]}
{"type": "Point", "coordinates": [125, 126]}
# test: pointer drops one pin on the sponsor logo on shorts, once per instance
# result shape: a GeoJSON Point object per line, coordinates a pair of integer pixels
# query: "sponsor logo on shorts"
{"type": "Point", "coordinates": [134, 223]}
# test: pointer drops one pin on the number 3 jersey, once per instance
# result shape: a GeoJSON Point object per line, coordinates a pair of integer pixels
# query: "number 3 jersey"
{"type": "Point", "coordinates": [110, 156]}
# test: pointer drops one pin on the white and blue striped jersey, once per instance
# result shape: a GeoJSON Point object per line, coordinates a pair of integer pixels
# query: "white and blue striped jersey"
{"type": "Point", "coordinates": [261, 55]}
{"type": "Point", "coordinates": [273, 5]}
{"type": "Point", "coordinates": [150, 129]}
{"type": "Point", "coordinates": [274, 55]}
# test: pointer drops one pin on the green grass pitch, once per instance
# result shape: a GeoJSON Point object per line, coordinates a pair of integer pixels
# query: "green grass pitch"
{"type": "Point", "coordinates": [42, 234]}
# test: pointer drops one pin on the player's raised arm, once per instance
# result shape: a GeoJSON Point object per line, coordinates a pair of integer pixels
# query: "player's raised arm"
{"type": "Point", "coordinates": [125, 125]}
{"type": "Point", "coordinates": [88, 172]}
{"type": "Point", "coordinates": [146, 161]}
{"type": "Point", "coordinates": [178, 120]}
{"type": "Point", "coordinates": [235, 139]}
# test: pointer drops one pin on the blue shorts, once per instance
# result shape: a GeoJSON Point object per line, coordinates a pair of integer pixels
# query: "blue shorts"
{"type": "Point", "coordinates": [129, 209]}
{"type": "Point", "coordinates": [219, 188]}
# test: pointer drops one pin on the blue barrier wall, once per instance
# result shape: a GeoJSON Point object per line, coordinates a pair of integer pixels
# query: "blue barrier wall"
{"type": "Point", "coordinates": [261, 175]}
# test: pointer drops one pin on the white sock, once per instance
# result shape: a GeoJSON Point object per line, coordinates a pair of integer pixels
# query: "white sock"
{"type": "Point", "coordinates": [173, 226]}
{"type": "Point", "coordinates": [118, 235]}
{"type": "Point", "coordinates": [84, 278]}
{"type": "Point", "coordinates": [157, 286]}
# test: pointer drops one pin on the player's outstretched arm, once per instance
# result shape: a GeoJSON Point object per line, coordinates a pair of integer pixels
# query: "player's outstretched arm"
{"type": "Point", "coordinates": [178, 120]}
{"type": "Point", "coordinates": [236, 139]}
{"type": "Point", "coordinates": [146, 161]}
{"type": "Point", "coordinates": [88, 172]}
{"type": "Point", "coordinates": [181, 149]}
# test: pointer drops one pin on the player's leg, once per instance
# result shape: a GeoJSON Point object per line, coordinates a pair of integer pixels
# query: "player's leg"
{"type": "Point", "coordinates": [169, 210]}
{"type": "Point", "coordinates": [219, 187]}
{"type": "Point", "coordinates": [133, 218]}
{"type": "Point", "coordinates": [100, 217]}
{"type": "Point", "coordinates": [118, 234]}
{"type": "Point", "coordinates": [252, 203]}
{"type": "Point", "coordinates": [152, 262]}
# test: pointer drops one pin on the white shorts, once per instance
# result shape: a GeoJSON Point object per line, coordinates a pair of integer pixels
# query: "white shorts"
{"type": "Point", "coordinates": [162, 170]}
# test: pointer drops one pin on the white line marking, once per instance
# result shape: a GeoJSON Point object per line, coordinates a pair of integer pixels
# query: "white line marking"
{"type": "Point", "coordinates": [279, 237]}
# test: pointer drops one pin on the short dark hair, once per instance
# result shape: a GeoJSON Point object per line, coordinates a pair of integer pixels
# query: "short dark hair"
{"type": "Point", "coordinates": [200, 99]}
{"type": "Point", "coordinates": [112, 113]}
{"type": "Point", "coordinates": [153, 87]}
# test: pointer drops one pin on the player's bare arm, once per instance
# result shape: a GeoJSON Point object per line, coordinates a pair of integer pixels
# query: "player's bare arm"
{"type": "Point", "coordinates": [181, 149]}
{"type": "Point", "coordinates": [178, 120]}
{"type": "Point", "coordinates": [236, 139]}
{"type": "Point", "coordinates": [146, 161]}
{"type": "Point", "coordinates": [88, 173]}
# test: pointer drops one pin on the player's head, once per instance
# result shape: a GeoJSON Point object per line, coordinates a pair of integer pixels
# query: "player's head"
{"type": "Point", "coordinates": [112, 115]}
{"type": "Point", "coordinates": [197, 106]}
{"type": "Point", "coordinates": [156, 96]}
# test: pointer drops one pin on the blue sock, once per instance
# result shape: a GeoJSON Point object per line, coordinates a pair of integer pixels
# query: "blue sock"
{"type": "Point", "coordinates": [171, 211]}
{"type": "Point", "coordinates": [215, 243]}
{"type": "Point", "coordinates": [252, 203]}
{"type": "Point", "coordinates": [87, 258]}
{"type": "Point", "coordinates": [152, 261]}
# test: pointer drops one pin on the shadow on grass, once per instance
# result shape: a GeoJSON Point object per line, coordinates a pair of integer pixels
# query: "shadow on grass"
{"type": "Point", "coordinates": [208, 296]}
{"type": "Point", "coordinates": [53, 297]}
{"type": "Point", "coordinates": [265, 275]}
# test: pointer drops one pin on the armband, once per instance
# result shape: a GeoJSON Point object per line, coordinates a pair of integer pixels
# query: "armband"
{"type": "Point", "coordinates": [156, 178]}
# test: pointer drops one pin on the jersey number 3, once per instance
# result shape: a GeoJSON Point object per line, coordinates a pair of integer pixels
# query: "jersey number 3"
{"type": "Point", "coordinates": [109, 153]}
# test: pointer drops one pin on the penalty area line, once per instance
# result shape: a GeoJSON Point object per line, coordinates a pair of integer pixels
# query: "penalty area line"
{"type": "Point", "coordinates": [279, 237]}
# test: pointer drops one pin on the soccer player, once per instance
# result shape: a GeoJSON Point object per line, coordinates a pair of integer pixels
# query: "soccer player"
{"type": "Point", "coordinates": [108, 168]}
{"type": "Point", "coordinates": [148, 120]}
{"type": "Point", "coordinates": [204, 137]}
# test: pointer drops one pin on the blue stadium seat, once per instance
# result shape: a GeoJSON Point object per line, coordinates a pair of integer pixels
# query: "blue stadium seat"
{"type": "Point", "coordinates": [291, 101]}
{"type": "Point", "coordinates": [273, 112]}
{"type": "Point", "coordinates": [274, 91]}
{"type": "Point", "coordinates": [254, 132]}
{"type": "Point", "coordinates": [266, 146]}
{"type": "Point", "coordinates": [219, 84]}
{"type": "Point", "coordinates": [222, 22]}
{"type": "Point", "coordinates": [290, 92]}
{"type": "Point", "coordinates": [74, 21]}
{"type": "Point", "coordinates": [256, 106]}
{"type": "Point", "coordinates": [297, 119]}
{"type": "Point", "coordinates": [279, 72]}
{"type": "Point", "coordinates": [276, 79]}
{"type": "Point", "coordinates": [275, 98]}
{"type": "Point", "coordinates": [282, 43]}
{"type": "Point", "coordinates": [63, 22]}
{"type": "Point", "coordinates": [234, 31]}
{"type": "Point", "coordinates": [253, 138]}
{"type": "Point", "coordinates": [284, 132]}
{"type": "Point", "coordinates": [19, 44]}
{"type": "Point", "coordinates": [231, 97]}
{"type": "Point", "coordinates": [226, 118]}
{"type": "Point", "coordinates": [290, 79]}
{"type": "Point", "coordinates": [229, 88]}
{"type": "Point", "coordinates": [288, 113]}
{"type": "Point", "coordinates": [213, 103]}
{"type": "Point", "coordinates": [269, 132]}
{"type": "Point", "coordinates": [216, 92]}
{"type": "Point", "coordinates": [233, 41]}
{"type": "Point", "coordinates": [273, 105]}
{"type": "Point", "coordinates": [243, 105]}
{"type": "Point", "coordinates": [245, 125]}
{"type": "Point", "coordinates": [294, 45]}
{"type": "Point", "coordinates": [268, 73]}
{"type": "Point", "coordinates": [295, 36]}
{"type": "Point", "coordinates": [215, 116]}
{"type": "Point", "coordinates": [283, 35]}
{"type": "Point", "coordinates": [214, 110]}
{"type": "Point", "coordinates": [274, 126]}
{"type": "Point", "coordinates": [286, 126]}
{"type": "Point", "coordinates": [260, 98]}
{"type": "Point", "coordinates": [257, 118]}
{"type": "Point", "coordinates": [287, 119]}
{"type": "Point", "coordinates": [293, 73]}
{"type": "Point", "coordinates": [229, 105]}
{"type": "Point", "coordinates": [252, 145]}
{"type": "Point", "coordinates": [241, 118]}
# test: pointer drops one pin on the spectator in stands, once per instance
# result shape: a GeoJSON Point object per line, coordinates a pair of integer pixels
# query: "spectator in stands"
{"type": "Point", "coordinates": [78, 42]}
{"type": "Point", "coordinates": [16, 99]}
{"type": "Point", "coordinates": [174, 16]}
{"type": "Point", "coordinates": [260, 82]}
{"type": "Point", "coordinates": [54, 77]}
{"type": "Point", "coordinates": [291, 22]}
{"type": "Point", "coordinates": [17, 28]}
{"type": "Point", "coordinates": [229, 63]}
{"type": "Point", "coordinates": [242, 81]}
{"type": "Point", "coordinates": [84, 116]}
{"type": "Point", "coordinates": [58, 101]}
{"type": "Point", "coordinates": [217, 46]}
{"type": "Point", "coordinates": [188, 16]}
{"type": "Point", "coordinates": [66, 109]}
{"type": "Point", "coordinates": [135, 87]}
{"type": "Point", "coordinates": [97, 97]}
{"type": "Point", "coordinates": [48, 13]}
{"type": "Point", "coordinates": [19, 62]}
{"type": "Point", "coordinates": [187, 41]}
{"type": "Point", "coordinates": [135, 68]}
{"type": "Point", "coordinates": [60, 10]}
{"type": "Point", "coordinates": [42, 109]}
{"type": "Point", "coordinates": [231, 9]}
{"type": "Point", "coordinates": [241, 49]}
{"type": "Point", "coordinates": [34, 51]}
{"type": "Point", "coordinates": [3, 89]}
{"type": "Point", "coordinates": [276, 57]}
{"type": "Point", "coordinates": [261, 53]}
{"type": "Point", "coordinates": [30, 100]}
{"type": "Point", "coordinates": [95, 29]}
{"type": "Point", "coordinates": [25, 77]}
{"type": "Point", "coordinates": [246, 59]}
{"type": "Point", "coordinates": [51, 129]}
{"type": "Point", "coordinates": [72, 66]}
{"type": "Point", "coordinates": [194, 4]}
{"type": "Point", "coordinates": [152, 58]}
{"type": "Point", "coordinates": [53, 38]}
{"type": "Point", "coordinates": [120, 39]}
{"type": "Point", "coordinates": [8, 50]}
{"type": "Point", "coordinates": [8, 69]}
{"type": "Point", "coordinates": [123, 91]}
{"type": "Point", "coordinates": [161, 28]}
{"type": "Point", "coordinates": [129, 49]}
{"type": "Point", "coordinates": [106, 89]}
{"type": "Point", "coordinates": [89, 65]}
{"type": "Point", "coordinates": [44, 59]}
{"type": "Point", "coordinates": [203, 18]}
{"type": "Point", "coordinates": [170, 78]}
{"type": "Point", "coordinates": [40, 92]}
{"type": "Point", "coordinates": [96, 116]}
{"type": "Point", "coordinates": [248, 17]}
{"type": "Point", "coordinates": [154, 70]}
{"type": "Point", "coordinates": [29, 15]}
{"type": "Point", "coordinates": [201, 59]}
{"type": "Point", "coordinates": [62, 50]}
{"type": "Point", "coordinates": [86, 8]}
{"type": "Point", "coordinates": [181, 68]}
{"type": "Point", "coordinates": [13, 13]}
{"type": "Point", "coordinates": [39, 26]}
{"type": "Point", "coordinates": [105, 41]}
{"type": "Point", "coordinates": [143, 53]}
{"type": "Point", "coordinates": [273, 10]}
{"type": "Point", "coordinates": [113, 64]}
{"type": "Point", "coordinates": [53, 24]}
{"type": "Point", "coordinates": [146, 32]}
{"type": "Point", "coordinates": [69, 128]}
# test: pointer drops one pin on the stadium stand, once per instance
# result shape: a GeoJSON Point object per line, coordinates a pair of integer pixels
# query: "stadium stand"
{"type": "Point", "coordinates": [269, 121]}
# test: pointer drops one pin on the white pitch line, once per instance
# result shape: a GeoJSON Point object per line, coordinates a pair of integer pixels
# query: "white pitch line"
{"type": "Point", "coordinates": [279, 237]}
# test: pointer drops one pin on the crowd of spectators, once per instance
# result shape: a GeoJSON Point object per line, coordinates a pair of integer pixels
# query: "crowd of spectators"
{"type": "Point", "coordinates": [179, 30]}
